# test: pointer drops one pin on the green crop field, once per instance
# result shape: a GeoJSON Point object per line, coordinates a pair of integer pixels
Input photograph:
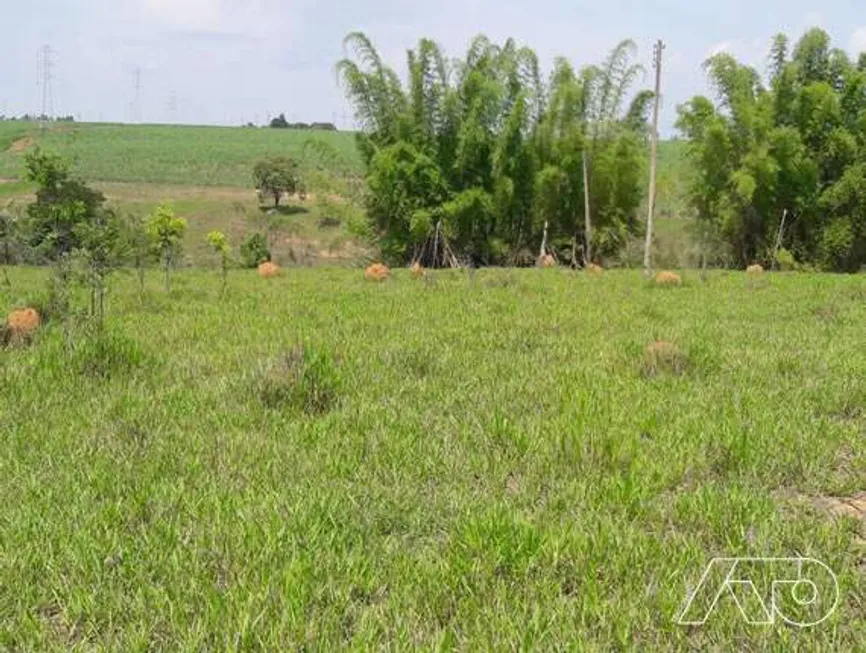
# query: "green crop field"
{"type": "Point", "coordinates": [158, 154]}
{"type": "Point", "coordinates": [461, 462]}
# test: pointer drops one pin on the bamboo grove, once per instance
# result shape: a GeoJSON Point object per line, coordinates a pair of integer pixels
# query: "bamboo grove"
{"type": "Point", "coordinates": [781, 166]}
{"type": "Point", "coordinates": [487, 151]}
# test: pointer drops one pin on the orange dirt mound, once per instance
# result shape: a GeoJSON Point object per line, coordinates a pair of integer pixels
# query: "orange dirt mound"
{"type": "Point", "coordinates": [267, 270]}
{"type": "Point", "coordinates": [377, 272]}
{"type": "Point", "coordinates": [417, 269]}
{"type": "Point", "coordinates": [594, 269]}
{"type": "Point", "coordinates": [755, 269]}
{"type": "Point", "coordinates": [546, 261]}
{"type": "Point", "coordinates": [23, 323]}
{"type": "Point", "coordinates": [668, 278]}
{"type": "Point", "coordinates": [663, 356]}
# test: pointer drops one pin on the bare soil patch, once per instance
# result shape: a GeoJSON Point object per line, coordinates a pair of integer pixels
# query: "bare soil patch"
{"type": "Point", "coordinates": [21, 144]}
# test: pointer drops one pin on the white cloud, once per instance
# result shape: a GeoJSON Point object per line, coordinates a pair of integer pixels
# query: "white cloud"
{"type": "Point", "coordinates": [858, 40]}
{"type": "Point", "coordinates": [203, 15]}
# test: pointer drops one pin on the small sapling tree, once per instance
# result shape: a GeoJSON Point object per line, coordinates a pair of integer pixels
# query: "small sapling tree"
{"type": "Point", "coordinates": [101, 250]}
{"type": "Point", "coordinates": [138, 246]}
{"type": "Point", "coordinates": [166, 234]}
{"type": "Point", "coordinates": [220, 245]}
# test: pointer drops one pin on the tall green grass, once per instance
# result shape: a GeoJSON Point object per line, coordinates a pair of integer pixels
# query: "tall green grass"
{"type": "Point", "coordinates": [460, 462]}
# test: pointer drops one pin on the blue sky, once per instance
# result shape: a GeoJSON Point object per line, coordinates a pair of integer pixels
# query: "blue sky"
{"type": "Point", "coordinates": [228, 61]}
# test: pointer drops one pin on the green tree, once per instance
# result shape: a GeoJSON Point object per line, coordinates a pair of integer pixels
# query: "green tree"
{"type": "Point", "coordinates": [166, 233]}
{"type": "Point", "coordinates": [275, 176]}
{"type": "Point", "coordinates": [62, 203]}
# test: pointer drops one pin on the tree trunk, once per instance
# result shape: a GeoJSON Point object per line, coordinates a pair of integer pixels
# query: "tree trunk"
{"type": "Point", "coordinates": [543, 251]}
{"type": "Point", "coordinates": [587, 252]}
{"type": "Point", "coordinates": [277, 199]}
{"type": "Point", "coordinates": [167, 265]}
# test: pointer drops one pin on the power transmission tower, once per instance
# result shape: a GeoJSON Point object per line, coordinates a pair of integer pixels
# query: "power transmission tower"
{"type": "Point", "coordinates": [44, 72]}
{"type": "Point", "coordinates": [172, 107]}
{"type": "Point", "coordinates": [654, 136]}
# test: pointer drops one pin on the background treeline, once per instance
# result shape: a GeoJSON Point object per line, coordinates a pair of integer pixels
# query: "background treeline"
{"type": "Point", "coordinates": [280, 122]}
{"type": "Point", "coordinates": [491, 150]}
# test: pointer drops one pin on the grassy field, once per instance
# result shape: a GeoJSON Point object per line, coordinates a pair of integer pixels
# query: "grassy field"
{"type": "Point", "coordinates": [463, 462]}
{"type": "Point", "coordinates": [159, 154]}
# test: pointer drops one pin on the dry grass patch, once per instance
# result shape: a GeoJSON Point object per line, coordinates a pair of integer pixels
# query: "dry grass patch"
{"type": "Point", "coordinates": [377, 272]}
{"type": "Point", "coordinates": [854, 506]}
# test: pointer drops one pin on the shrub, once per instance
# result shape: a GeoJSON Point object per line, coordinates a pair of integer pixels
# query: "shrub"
{"type": "Point", "coordinates": [377, 272]}
{"type": "Point", "coordinates": [268, 270]}
{"type": "Point", "coordinates": [668, 278]}
{"type": "Point", "coordinates": [303, 379]}
{"type": "Point", "coordinates": [255, 250]}
{"type": "Point", "coordinates": [663, 357]}
{"type": "Point", "coordinates": [785, 260]}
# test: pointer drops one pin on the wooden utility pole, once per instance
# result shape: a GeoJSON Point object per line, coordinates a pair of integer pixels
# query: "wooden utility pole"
{"type": "Point", "coordinates": [647, 254]}
{"type": "Point", "coordinates": [587, 220]}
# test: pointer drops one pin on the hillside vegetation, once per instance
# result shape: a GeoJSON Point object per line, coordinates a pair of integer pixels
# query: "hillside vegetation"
{"type": "Point", "coordinates": [157, 154]}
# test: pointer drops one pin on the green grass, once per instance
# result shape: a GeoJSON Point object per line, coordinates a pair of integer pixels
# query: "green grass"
{"type": "Point", "coordinates": [451, 463]}
{"type": "Point", "coordinates": [157, 154]}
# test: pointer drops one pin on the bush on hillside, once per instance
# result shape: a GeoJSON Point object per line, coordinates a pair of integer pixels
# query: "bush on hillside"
{"type": "Point", "coordinates": [254, 250]}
